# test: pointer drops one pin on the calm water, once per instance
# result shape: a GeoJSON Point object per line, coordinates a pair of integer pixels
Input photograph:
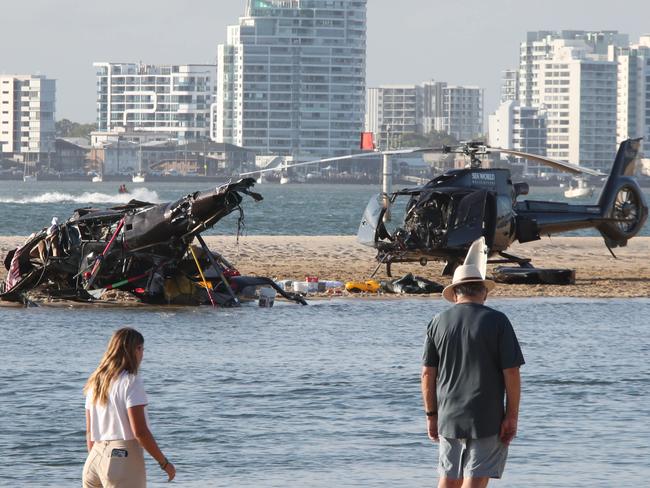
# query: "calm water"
{"type": "Point", "coordinates": [286, 209]}
{"type": "Point", "coordinates": [322, 396]}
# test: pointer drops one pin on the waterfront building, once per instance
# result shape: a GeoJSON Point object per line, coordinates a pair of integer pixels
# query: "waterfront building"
{"type": "Point", "coordinates": [398, 111]}
{"type": "Point", "coordinates": [291, 78]}
{"type": "Point", "coordinates": [566, 82]}
{"type": "Point", "coordinates": [633, 103]}
{"type": "Point", "coordinates": [372, 111]}
{"type": "Point", "coordinates": [577, 87]}
{"type": "Point", "coordinates": [171, 100]}
{"type": "Point", "coordinates": [200, 158]}
{"type": "Point", "coordinates": [509, 85]}
{"type": "Point", "coordinates": [394, 111]}
{"type": "Point", "coordinates": [462, 112]}
{"type": "Point", "coordinates": [71, 155]}
{"type": "Point", "coordinates": [27, 106]}
{"type": "Point", "coordinates": [115, 158]}
{"type": "Point", "coordinates": [515, 126]}
{"type": "Point", "coordinates": [98, 138]}
{"type": "Point", "coordinates": [540, 46]}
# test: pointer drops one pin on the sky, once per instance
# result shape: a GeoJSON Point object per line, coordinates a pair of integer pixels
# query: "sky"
{"type": "Point", "coordinates": [465, 42]}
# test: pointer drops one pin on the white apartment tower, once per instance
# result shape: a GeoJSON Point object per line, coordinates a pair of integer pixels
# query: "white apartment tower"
{"type": "Point", "coordinates": [396, 110]}
{"type": "Point", "coordinates": [27, 105]}
{"type": "Point", "coordinates": [569, 78]}
{"type": "Point", "coordinates": [462, 112]}
{"type": "Point", "coordinates": [515, 126]}
{"type": "Point", "coordinates": [633, 104]}
{"type": "Point", "coordinates": [291, 78]}
{"type": "Point", "coordinates": [372, 110]}
{"type": "Point", "coordinates": [578, 90]}
{"type": "Point", "coordinates": [509, 85]}
{"type": "Point", "coordinates": [540, 45]}
{"type": "Point", "coordinates": [171, 99]}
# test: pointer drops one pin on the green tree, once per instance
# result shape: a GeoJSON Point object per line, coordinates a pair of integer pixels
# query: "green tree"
{"type": "Point", "coordinates": [432, 139]}
{"type": "Point", "coordinates": [67, 128]}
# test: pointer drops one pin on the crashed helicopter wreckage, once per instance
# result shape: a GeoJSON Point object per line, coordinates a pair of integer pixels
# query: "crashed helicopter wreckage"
{"type": "Point", "coordinates": [140, 248]}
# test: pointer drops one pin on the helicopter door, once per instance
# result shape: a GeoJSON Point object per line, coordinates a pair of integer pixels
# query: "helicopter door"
{"type": "Point", "coordinates": [467, 222]}
{"type": "Point", "coordinates": [371, 225]}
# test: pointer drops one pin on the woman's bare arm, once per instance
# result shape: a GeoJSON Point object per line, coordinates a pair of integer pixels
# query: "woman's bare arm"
{"type": "Point", "coordinates": [138, 423]}
{"type": "Point", "coordinates": [89, 442]}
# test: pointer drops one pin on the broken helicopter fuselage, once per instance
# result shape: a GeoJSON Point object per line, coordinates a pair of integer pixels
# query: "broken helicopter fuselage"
{"type": "Point", "coordinates": [140, 248]}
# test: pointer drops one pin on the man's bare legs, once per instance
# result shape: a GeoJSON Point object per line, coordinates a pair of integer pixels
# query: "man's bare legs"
{"type": "Point", "coordinates": [463, 483]}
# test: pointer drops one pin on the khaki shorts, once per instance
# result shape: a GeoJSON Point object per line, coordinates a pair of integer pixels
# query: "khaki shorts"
{"type": "Point", "coordinates": [112, 464]}
{"type": "Point", "coordinates": [472, 458]}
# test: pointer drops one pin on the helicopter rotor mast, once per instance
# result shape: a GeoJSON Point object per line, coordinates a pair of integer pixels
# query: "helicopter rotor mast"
{"type": "Point", "coordinates": [387, 183]}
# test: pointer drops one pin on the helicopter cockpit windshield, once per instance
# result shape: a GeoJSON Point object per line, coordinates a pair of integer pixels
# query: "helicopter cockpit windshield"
{"type": "Point", "coordinates": [432, 219]}
{"type": "Point", "coordinates": [425, 220]}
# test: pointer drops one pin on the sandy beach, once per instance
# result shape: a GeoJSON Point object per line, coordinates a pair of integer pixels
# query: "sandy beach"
{"type": "Point", "coordinates": [341, 258]}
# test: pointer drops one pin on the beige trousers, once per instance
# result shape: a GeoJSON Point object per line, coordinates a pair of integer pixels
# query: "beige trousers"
{"type": "Point", "coordinates": [107, 466]}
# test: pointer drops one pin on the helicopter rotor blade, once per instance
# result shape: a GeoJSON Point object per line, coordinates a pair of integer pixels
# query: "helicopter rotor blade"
{"type": "Point", "coordinates": [555, 163]}
{"type": "Point", "coordinates": [349, 156]}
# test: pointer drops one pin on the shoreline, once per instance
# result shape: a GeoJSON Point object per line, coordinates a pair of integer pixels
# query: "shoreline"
{"type": "Point", "coordinates": [341, 258]}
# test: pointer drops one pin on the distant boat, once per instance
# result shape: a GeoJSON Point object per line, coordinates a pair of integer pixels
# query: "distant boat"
{"type": "Point", "coordinates": [284, 180]}
{"type": "Point", "coordinates": [140, 175]}
{"type": "Point", "coordinates": [579, 188]}
{"type": "Point", "coordinates": [26, 176]}
{"type": "Point", "coordinates": [97, 179]}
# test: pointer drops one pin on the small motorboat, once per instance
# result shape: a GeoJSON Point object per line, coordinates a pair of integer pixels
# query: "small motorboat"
{"type": "Point", "coordinates": [97, 179]}
{"type": "Point", "coordinates": [579, 188]}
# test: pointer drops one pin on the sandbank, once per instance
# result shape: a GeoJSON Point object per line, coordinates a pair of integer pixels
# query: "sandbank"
{"type": "Point", "coordinates": [341, 258]}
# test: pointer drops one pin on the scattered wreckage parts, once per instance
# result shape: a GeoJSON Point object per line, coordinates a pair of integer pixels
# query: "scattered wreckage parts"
{"type": "Point", "coordinates": [533, 276]}
{"type": "Point", "coordinates": [140, 248]}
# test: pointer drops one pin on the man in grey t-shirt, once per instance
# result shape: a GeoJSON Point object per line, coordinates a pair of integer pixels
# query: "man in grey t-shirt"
{"type": "Point", "coordinates": [471, 361]}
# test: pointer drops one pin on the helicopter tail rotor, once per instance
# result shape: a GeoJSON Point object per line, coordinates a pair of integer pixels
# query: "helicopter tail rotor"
{"type": "Point", "coordinates": [623, 206]}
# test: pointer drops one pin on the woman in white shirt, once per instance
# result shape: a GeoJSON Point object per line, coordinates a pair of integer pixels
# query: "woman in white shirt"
{"type": "Point", "coordinates": [117, 426]}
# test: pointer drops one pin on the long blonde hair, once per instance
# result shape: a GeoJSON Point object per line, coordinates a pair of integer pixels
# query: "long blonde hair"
{"type": "Point", "coordinates": [120, 356]}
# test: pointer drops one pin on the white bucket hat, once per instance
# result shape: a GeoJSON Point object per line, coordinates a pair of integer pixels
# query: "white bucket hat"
{"type": "Point", "coordinates": [473, 270]}
{"type": "Point", "coordinates": [467, 273]}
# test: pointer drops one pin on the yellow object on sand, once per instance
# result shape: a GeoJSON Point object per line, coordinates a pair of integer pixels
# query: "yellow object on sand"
{"type": "Point", "coordinates": [358, 286]}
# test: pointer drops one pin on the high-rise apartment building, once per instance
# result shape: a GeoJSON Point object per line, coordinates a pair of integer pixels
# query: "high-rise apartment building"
{"type": "Point", "coordinates": [27, 104]}
{"type": "Point", "coordinates": [462, 112]}
{"type": "Point", "coordinates": [569, 79]}
{"type": "Point", "coordinates": [173, 100]}
{"type": "Point", "coordinates": [396, 110]}
{"type": "Point", "coordinates": [578, 90]}
{"type": "Point", "coordinates": [540, 46]}
{"type": "Point", "coordinates": [515, 126]}
{"type": "Point", "coordinates": [633, 104]}
{"type": "Point", "coordinates": [509, 85]}
{"type": "Point", "coordinates": [291, 78]}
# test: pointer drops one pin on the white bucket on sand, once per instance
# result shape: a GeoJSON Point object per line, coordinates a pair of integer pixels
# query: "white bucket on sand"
{"type": "Point", "coordinates": [286, 285]}
{"type": "Point", "coordinates": [266, 296]}
{"type": "Point", "coordinates": [301, 287]}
